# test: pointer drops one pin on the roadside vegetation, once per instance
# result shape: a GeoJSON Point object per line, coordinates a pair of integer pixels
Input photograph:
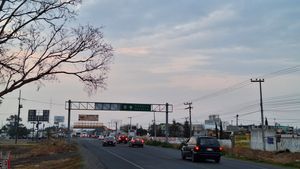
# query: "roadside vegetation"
{"type": "Point", "coordinates": [162, 144]}
{"type": "Point", "coordinates": [282, 158]}
{"type": "Point", "coordinates": [48, 154]}
{"type": "Point", "coordinates": [286, 159]}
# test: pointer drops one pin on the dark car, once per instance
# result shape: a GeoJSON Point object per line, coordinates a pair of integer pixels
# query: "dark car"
{"type": "Point", "coordinates": [123, 139]}
{"type": "Point", "coordinates": [109, 141]}
{"type": "Point", "coordinates": [201, 148]}
{"type": "Point", "coordinates": [136, 141]}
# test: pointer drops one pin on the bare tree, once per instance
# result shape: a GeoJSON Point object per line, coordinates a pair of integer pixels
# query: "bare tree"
{"type": "Point", "coordinates": [37, 44]}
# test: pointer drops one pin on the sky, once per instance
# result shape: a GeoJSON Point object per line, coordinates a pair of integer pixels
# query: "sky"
{"type": "Point", "coordinates": [179, 51]}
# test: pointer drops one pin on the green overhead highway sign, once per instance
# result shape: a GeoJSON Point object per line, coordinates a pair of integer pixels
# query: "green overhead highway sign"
{"type": "Point", "coordinates": [135, 107]}
{"type": "Point", "coordinates": [123, 106]}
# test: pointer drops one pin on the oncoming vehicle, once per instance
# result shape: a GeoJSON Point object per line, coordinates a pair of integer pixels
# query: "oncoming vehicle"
{"type": "Point", "coordinates": [123, 139]}
{"type": "Point", "coordinates": [109, 141]}
{"type": "Point", "coordinates": [136, 141]}
{"type": "Point", "coordinates": [201, 148]}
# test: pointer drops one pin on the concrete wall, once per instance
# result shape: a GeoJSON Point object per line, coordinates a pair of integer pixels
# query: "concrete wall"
{"type": "Point", "coordinates": [290, 143]}
{"type": "Point", "coordinates": [256, 142]}
{"type": "Point", "coordinates": [226, 143]}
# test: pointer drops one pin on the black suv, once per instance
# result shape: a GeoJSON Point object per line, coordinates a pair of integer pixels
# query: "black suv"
{"type": "Point", "coordinates": [201, 148]}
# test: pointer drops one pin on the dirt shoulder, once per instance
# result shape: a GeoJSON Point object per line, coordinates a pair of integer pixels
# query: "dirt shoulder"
{"type": "Point", "coordinates": [286, 159]}
{"type": "Point", "coordinates": [47, 154]}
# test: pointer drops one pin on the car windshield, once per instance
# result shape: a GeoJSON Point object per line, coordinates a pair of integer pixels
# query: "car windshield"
{"type": "Point", "coordinates": [208, 141]}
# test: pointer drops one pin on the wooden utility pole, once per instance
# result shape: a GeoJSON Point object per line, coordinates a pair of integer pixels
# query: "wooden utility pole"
{"type": "Point", "coordinates": [261, 111]}
{"type": "Point", "coordinates": [17, 121]}
{"type": "Point", "coordinates": [190, 113]}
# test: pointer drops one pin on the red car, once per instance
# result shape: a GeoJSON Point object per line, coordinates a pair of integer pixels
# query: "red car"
{"type": "Point", "coordinates": [136, 141]}
{"type": "Point", "coordinates": [123, 139]}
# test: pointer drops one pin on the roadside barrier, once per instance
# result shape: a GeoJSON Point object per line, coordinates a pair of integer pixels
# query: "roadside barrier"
{"type": "Point", "coordinates": [5, 161]}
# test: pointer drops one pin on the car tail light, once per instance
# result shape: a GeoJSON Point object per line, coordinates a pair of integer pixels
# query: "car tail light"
{"type": "Point", "coordinates": [126, 138]}
{"type": "Point", "coordinates": [221, 148]}
{"type": "Point", "coordinates": [197, 148]}
{"type": "Point", "coordinates": [132, 141]}
{"type": "Point", "coordinates": [143, 141]}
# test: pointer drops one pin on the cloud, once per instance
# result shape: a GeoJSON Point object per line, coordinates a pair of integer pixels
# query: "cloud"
{"type": "Point", "coordinates": [180, 65]}
{"type": "Point", "coordinates": [203, 82]}
{"type": "Point", "coordinates": [133, 51]}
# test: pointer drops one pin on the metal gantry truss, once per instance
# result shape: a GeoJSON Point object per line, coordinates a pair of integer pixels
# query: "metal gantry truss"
{"type": "Point", "coordinates": [81, 105]}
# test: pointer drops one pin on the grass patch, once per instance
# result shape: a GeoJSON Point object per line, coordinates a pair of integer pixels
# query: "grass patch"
{"type": "Point", "coordinates": [286, 159]}
{"type": "Point", "coordinates": [48, 154]}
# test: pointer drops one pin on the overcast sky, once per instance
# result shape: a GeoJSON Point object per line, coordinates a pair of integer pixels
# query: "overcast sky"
{"type": "Point", "coordinates": [187, 50]}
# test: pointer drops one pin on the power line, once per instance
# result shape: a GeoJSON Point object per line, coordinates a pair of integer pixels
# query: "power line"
{"type": "Point", "coordinates": [247, 83]}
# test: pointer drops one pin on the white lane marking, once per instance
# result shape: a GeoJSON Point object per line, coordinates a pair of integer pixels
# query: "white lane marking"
{"type": "Point", "coordinates": [132, 163]}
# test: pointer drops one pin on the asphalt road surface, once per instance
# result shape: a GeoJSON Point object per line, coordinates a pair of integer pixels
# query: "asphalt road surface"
{"type": "Point", "coordinates": [150, 157]}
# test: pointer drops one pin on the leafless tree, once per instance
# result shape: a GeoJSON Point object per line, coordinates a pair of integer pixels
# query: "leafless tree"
{"type": "Point", "coordinates": [37, 44]}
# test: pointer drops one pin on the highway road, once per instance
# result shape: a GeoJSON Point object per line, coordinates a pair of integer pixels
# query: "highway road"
{"type": "Point", "coordinates": [150, 157]}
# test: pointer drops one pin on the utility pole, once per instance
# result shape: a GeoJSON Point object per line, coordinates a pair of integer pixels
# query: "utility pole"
{"type": "Point", "coordinates": [18, 118]}
{"type": "Point", "coordinates": [116, 128]}
{"type": "Point", "coordinates": [130, 123]}
{"type": "Point", "coordinates": [154, 125]}
{"type": "Point", "coordinates": [69, 120]}
{"type": "Point", "coordinates": [261, 111]}
{"type": "Point", "coordinates": [190, 112]}
{"type": "Point", "coordinates": [167, 123]}
{"type": "Point", "coordinates": [237, 120]}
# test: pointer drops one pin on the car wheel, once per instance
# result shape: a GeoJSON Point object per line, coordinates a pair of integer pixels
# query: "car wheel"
{"type": "Point", "coordinates": [218, 160]}
{"type": "Point", "coordinates": [194, 157]}
{"type": "Point", "coordinates": [182, 156]}
{"type": "Point", "coordinates": [142, 146]}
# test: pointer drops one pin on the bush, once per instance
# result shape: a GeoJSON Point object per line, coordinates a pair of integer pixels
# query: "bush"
{"type": "Point", "coordinates": [162, 144]}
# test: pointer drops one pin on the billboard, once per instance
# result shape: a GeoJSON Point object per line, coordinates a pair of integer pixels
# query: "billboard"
{"type": "Point", "coordinates": [38, 115]}
{"type": "Point", "coordinates": [88, 117]}
{"type": "Point", "coordinates": [59, 119]}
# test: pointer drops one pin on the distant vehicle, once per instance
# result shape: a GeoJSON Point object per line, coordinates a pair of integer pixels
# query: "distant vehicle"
{"type": "Point", "coordinates": [83, 135]}
{"type": "Point", "coordinates": [101, 137]}
{"type": "Point", "coordinates": [109, 141]}
{"type": "Point", "coordinates": [94, 136]}
{"type": "Point", "coordinates": [123, 139]}
{"type": "Point", "coordinates": [136, 141]}
{"type": "Point", "coordinates": [201, 148]}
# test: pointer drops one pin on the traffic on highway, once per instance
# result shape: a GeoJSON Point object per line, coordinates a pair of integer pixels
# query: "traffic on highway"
{"type": "Point", "coordinates": [151, 157]}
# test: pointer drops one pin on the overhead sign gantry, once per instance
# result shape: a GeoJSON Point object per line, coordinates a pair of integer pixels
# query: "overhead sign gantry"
{"type": "Point", "coordinates": [104, 106]}
{"type": "Point", "coordinates": [79, 105]}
